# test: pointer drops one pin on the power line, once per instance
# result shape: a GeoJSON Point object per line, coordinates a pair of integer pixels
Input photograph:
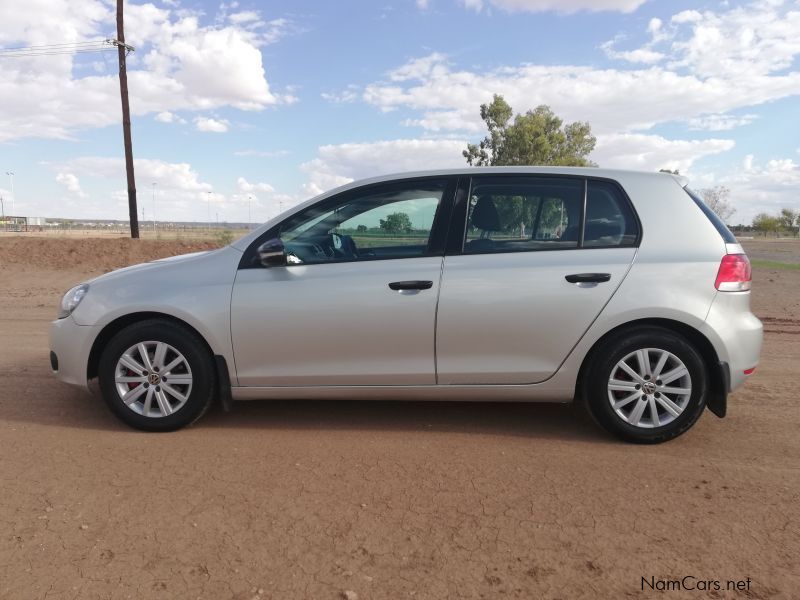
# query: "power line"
{"type": "Point", "coordinates": [62, 49]}
{"type": "Point", "coordinates": [18, 55]}
{"type": "Point", "coordinates": [85, 43]}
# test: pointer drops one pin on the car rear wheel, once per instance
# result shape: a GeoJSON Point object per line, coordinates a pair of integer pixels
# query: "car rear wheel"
{"type": "Point", "coordinates": [646, 385]}
{"type": "Point", "coordinates": [157, 376]}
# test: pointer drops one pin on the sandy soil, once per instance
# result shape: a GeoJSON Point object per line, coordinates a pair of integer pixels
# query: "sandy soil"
{"type": "Point", "coordinates": [378, 499]}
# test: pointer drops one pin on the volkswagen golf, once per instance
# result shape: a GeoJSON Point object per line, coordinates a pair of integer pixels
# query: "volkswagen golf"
{"type": "Point", "coordinates": [618, 290]}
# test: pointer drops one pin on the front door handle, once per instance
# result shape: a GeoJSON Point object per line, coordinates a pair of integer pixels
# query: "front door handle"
{"type": "Point", "coordinates": [411, 285]}
{"type": "Point", "coordinates": [588, 277]}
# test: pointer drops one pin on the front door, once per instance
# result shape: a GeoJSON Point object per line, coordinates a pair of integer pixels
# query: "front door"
{"type": "Point", "coordinates": [356, 305]}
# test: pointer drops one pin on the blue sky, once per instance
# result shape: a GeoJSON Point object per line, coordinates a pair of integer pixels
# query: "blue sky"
{"type": "Point", "coordinates": [270, 103]}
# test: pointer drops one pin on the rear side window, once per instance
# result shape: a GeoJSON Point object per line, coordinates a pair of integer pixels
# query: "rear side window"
{"type": "Point", "coordinates": [610, 221]}
{"type": "Point", "coordinates": [516, 214]}
{"type": "Point", "coordinates": [718, 224]}
{"type": "Point", "coordinates": [524, 214]}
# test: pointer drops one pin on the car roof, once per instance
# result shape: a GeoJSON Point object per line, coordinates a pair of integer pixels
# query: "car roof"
{"type": "Point", "coordinates": [520, 170]}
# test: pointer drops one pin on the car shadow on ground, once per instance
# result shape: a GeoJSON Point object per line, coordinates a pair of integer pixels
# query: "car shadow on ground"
{"type": "Point", "coordinates": [494, 418]}
{"type": "Point", "coordinates": [46, 401]}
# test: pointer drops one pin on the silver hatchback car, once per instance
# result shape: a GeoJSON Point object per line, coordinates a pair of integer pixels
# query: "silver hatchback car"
{"type": "Point", "coordinates": [617, 289]}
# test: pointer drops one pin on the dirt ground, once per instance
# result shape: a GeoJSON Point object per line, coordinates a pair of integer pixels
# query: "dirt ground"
{"type": "Point", "coordinates": [380, 499]}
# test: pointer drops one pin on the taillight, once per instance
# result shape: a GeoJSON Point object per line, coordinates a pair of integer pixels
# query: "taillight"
{"type": "Point", "coordinates": [734, 273]}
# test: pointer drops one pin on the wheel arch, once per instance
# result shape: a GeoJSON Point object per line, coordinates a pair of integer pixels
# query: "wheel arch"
{"type": "Point", "coordinates": [120, 323]}
{"type": "Point", "coordinates": [718, 375]}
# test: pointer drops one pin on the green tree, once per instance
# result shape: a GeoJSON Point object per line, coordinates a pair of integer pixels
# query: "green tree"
{"type": "Point", "coordinates": [764, 222]}
{"type": "Point", "coordinates": [361, 228]}
{"type": "Point", "coordinates": [397, 223]}
{"type": "Point", "coordinates": [716, 199]}
{"type": "Point", "coordinates": [787, 218]}
{"type": "Point", "coordinates": [538, 137]}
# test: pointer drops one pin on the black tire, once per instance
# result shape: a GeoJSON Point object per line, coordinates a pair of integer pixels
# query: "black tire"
{"type": "Point", "coordinates": [606, 357]}
{"type": "Point", "coordinates": [184, 340]}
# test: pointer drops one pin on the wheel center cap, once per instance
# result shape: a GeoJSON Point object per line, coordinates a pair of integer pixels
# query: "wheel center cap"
{"type": "Point", "coordinates": [649, 387]}
{"type": "Point", "coordinates": [154, 379]}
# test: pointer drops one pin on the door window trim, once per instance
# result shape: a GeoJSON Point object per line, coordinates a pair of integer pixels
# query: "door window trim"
{"type": "Point", "coordinates": [458, 233]}
{"type": "Point", "coordinates": [436, 240]}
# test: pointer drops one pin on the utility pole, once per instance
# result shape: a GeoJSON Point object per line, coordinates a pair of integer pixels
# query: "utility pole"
{"type": "Point", "coordinates": [122, 51]}
{"type": "Point", "coordinates": [154, 206]}
{"type": "Point", "coordinates": [249, 199]}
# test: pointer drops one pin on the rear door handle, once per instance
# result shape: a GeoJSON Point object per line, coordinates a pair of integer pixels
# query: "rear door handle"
{"type": "Point", "coordinates": [588, 277]}
{"type": "Point", "coordinates": [411, 285]}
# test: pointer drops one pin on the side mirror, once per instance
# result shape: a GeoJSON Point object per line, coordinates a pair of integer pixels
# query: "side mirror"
{"type": "Point", "coordinates": [272, 253]}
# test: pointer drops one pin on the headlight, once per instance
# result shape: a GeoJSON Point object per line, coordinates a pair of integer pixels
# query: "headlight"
{"type": "Point", "coordinates": [71, 300]}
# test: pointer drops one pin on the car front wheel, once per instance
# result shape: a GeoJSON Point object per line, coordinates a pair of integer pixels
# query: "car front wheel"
{"type": "Point", "coordinates": [646, 385]}
{"type": "Point", "coordinates": [157, 375]}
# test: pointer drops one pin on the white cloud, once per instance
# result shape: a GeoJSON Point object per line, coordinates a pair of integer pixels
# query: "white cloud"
{"type": "Point", "coordinates": [616, 100]}
{"type": "Point", "coordinates": [564, 6]}
{"type": "Point", "coordinates": [165, 117]}
{"type": "Point", "coordinates": [639, 55]}
{"type": "Point", "coordinates": [653, 152]}
{"type": "Point", "coordinates": [747, 42]}
{"type": "Point", "coordinates": [207, 124]}
{"type": "Point", "coordinates": [262, 153]}
{"type": "Point", "coordinates": [432, 65]}
{"type": "Point", "coordinates": [70, 183]}
{"type": "Point", "coordinates": [180, 193]}
{"type": "Point", "coordinates": [349, 94]}
{"type": "Point", "coordinates": [611, 100]}
{"type": "Point", "coordinates": [179, 64]}
{"type": "Point", "coordinates": [687, 16]}
{"type": "Point", "coordinates": [476, 5]}
{"type": "Point", "coordinates": [422, 4]}
{"type": "Point", "coordinates": [720, 122]}
{"type": "Point", "coordinates": [644, 55]}
{"type": "Point", "coordinates": [245, 186]}
{"type": "Point", "coordinates": [339, 164]}
{"type": "Point", "coordinates": [763, 187]}
{"type": "Point", "coordinates": [169, 117]}
{"type": "Point", "coordinates": [178, 176]}
{"type": "Point", "coordinates": [246, 16]}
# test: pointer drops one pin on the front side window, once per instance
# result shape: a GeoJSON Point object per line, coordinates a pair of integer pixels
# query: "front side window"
{"type": "Point", "coordinates": [517, 214]}
{"type": "Point", "coordinates": [382, 222]}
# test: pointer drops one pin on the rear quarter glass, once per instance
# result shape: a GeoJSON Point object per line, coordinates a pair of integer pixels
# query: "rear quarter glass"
{"type": "Point", "coordinates": [718, 224]}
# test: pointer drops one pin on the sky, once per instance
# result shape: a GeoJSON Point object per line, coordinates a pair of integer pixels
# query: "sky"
{"type": "Point", "coordinates": [245, 108]}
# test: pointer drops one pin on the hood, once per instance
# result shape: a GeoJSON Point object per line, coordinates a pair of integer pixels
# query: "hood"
{"type": "Point", "coordinates": [180, 257]}
{"type": "Point", "coordinates": [158, 263]}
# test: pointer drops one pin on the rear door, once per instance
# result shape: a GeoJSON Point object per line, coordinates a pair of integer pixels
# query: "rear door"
{"type": "Point", "coordinates": [537, 260]}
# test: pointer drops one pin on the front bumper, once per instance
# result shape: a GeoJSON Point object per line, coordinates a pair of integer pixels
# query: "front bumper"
{"type": "Point", "coordinates": [71, 344]}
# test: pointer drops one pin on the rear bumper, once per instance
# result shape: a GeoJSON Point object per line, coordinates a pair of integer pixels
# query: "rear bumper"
{"type": "Point", "coordinates": [70, 345]}
{"type": "Point", "coordinates": [736, 334]}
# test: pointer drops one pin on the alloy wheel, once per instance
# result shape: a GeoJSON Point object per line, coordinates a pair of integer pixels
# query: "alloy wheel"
{"type": "Point", "coordinates": [153, 379]}
{"type": "Point", "coordinates": [649, 388]}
